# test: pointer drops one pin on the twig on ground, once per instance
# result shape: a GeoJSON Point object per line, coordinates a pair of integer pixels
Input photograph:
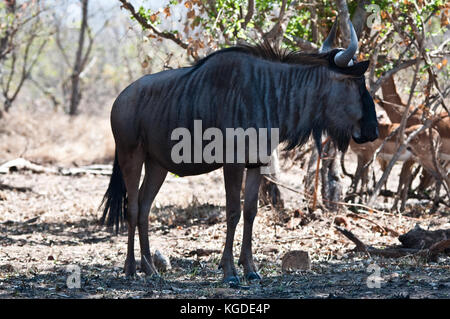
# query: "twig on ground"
{"type": "Point", "coordinates": [332, 202]}
{"type": "Point", "coordinates": [384, 228]}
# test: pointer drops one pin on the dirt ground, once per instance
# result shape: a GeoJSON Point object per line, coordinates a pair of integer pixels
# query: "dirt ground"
{"type": "Point", "coordinates": [48, 224]}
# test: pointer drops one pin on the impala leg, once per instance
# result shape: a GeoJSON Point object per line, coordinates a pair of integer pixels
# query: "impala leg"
{"type": "Point", "coordinates": [252, 184]}
{"type": "Point", "coordinates": [131, 166]}
{"type": "Point", "coordinates": [154, 178]}
{"type": "Point", "coordinates": [436, 197]}
{"type": "Point", "coordinates": [357, 176]}
{"type": "Point", "coordinates": [426, 180]}
{"type": "Point", "coordinates": [383, 165]}
{"type": "Point", "coordinates": [233, 181]}
{"type": "Point", "coordinates": [364, 177]}
{"type": "Point", "coordinates": [405, 192]}
{"type": "Point", "coordinates": [403, 185]}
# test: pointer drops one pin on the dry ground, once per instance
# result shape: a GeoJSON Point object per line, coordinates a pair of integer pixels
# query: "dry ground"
{"type": "Point", "coordinates": [49, 222]}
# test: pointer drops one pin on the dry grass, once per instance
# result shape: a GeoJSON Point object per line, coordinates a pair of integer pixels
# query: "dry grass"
{"type": "Point", "coordinates": [55, 138]}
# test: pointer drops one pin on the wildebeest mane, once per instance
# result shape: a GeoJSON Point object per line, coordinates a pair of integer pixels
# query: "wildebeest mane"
{"type": "Point", "coordinates": [266, 51]}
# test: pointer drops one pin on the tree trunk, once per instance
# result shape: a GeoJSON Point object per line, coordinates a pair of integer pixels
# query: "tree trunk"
{"type": "Point", "coordinates": [344, 16]}
{"type": "Point", "coordinates": [314, 23]}
{"type": "Point", "coordinates": [359, 17]}
{"type": "Point", "coordinates": [75, 96]}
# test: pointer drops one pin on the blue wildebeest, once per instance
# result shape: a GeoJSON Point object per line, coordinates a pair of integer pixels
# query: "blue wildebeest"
{"type": "Point", "coordinates": [300, 94]}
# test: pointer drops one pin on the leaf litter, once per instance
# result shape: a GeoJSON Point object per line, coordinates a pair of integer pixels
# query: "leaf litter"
{"type": "Point", "coordinates": [49, 222]}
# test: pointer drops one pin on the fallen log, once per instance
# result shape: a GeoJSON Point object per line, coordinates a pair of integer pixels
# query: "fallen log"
{"type": "Point", "coordinates": [96, 169]}
{"type": "Point", "coordinates": [431, 253]}
{"type": "Point", "coordinates": [420, 238]}
{"type": "Point", "coordinates": [21, 189]}
{"type": "Point", "coordinates": [21, 164]}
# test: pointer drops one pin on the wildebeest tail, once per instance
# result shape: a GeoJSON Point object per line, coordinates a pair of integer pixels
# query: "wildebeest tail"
{"type": "Point", "coordinates": [115, 199]}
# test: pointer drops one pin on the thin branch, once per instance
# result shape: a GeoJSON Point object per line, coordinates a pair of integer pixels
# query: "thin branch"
{"type": "Point", "coordinates": [59, 43]}
{"type": "Point", "coordinates": [301, 43]}
{"type": "Point", "coordinates": [277, 31]}
{"type": "Point", "coordinates": [384, 228]}
{"type": "Point", "coordinates": [27, 71]}
{"type": "Point", "coordinates": [10, 75]}
{"type": "Point", "coordinates": [46, 91]}
{"type": "Point", "coordinates": [403, 65]}
{"type": "Point", "coordinates": [330, 201]}
{"type": "Point", "coordinates": [144, 23]}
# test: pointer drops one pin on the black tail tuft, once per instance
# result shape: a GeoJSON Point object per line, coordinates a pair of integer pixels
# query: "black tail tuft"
{"type": "Point", "coordinates": [115, 199]}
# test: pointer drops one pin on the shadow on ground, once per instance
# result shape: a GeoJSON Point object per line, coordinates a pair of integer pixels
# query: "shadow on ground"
{"type": "Point", "coordinates": [191, 278]}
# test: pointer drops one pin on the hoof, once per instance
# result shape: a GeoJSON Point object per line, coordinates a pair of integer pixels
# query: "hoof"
{"type": "Point", "coordinates": [130, 269]}
{"type": "Point", "coordinates": [233, 281]}
{"type": "Point", "coordinates": [253, 276]}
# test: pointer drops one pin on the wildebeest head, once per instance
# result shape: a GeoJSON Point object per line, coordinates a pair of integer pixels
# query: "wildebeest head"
{"type": "Point", "coordinates": [349, 106]}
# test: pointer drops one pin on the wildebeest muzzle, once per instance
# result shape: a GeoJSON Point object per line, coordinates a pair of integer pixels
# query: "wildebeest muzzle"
{"type": "Point", "coordinates": [368, 123]}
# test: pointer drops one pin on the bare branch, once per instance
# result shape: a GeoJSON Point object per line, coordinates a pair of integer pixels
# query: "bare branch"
{"type": "Point", "coordinates": [276, 32]}
{"type": "Point", "coordinates": [26, 71]}
{"type": "Point", "coordinates": [403, 65]}
{"type": "Point", "coordinates": [59, 43]}
{"type": "Point", "coordinates": [144, 23]}
{"type": "Point", "coordinates": [301, 43]}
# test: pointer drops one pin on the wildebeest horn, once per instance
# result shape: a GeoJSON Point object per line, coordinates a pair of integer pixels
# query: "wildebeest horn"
{"type": "Point", "coordinates": [343, 58]}
{"type": "Point", "coordinates": [327, 45]}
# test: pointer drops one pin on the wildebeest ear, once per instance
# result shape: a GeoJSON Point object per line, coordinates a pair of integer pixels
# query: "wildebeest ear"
{"type": "Point", "coordinates": [359, 68]}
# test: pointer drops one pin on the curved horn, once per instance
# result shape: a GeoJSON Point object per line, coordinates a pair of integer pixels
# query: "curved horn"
{"type": "Point", "coordinates": [343, 58]}
{"type": "Point", "coordinates": [327, 45]}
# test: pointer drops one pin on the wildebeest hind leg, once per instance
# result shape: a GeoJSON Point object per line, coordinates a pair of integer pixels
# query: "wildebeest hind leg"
{"type": "Point", "coordinates": [252, 184]}
{"type": "Point", "coordinates": [131, 162]}
{"type": "Point", "coordinates": [154, 178]}
{"type": "Point", "coordinates": [233, 180]}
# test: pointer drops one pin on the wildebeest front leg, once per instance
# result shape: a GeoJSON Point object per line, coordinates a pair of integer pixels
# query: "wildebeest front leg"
{"type": "Point", "coordinates": [154, 178]}
{"type": "Point", "coordinates": [252, 184]}
{"type": "Point", "coordinates": [233, 180]}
